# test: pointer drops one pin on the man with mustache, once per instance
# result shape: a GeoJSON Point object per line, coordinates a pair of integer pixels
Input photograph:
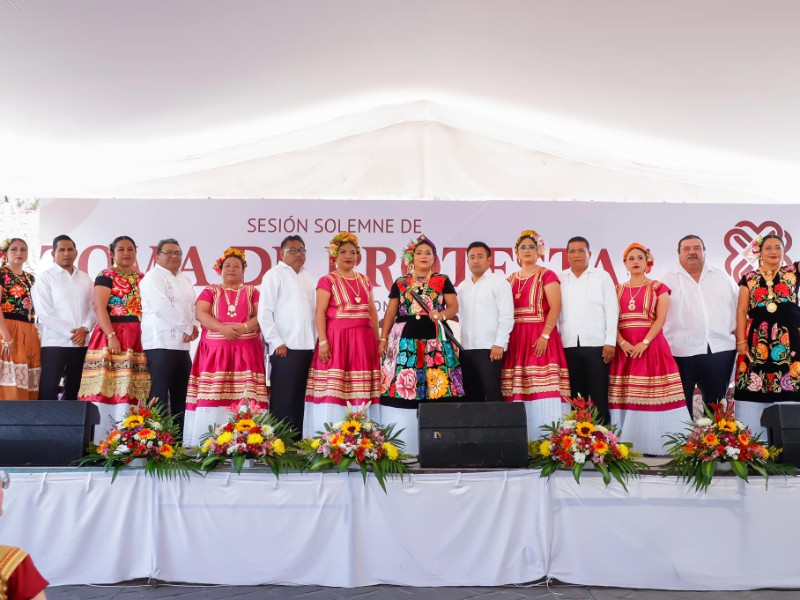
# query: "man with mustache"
{"type": "Point", "coordinates": [701, 322]}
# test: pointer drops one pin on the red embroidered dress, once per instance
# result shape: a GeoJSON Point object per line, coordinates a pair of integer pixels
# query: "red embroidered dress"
{"type": "Point", "coordinates": [645, 394]}
{"type": "Point", "coordinates": [353, 372]}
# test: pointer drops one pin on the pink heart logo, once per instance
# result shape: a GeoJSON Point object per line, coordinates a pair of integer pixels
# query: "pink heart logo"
{"type": "Point", "coordinates": [739, 238]}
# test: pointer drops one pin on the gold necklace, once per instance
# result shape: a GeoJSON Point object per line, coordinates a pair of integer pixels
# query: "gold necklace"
{"type": "Point", "coordinates": [632, 296]}
{"type": "Point", "coordinates": [521, 285]}
{"type": "Point", "coordinates": [356, 292]}
{"type": "Point", "coordinates": [232, 307]}
{"type": "Point", "coordinates": [769, 277]}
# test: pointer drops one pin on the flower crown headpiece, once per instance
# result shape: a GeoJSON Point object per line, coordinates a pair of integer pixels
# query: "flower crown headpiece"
{"type": "Point", "coordinates": [408, 253]}
{"type": "Point", "coordinates": [343, 237]}
{"type": "Point", "coordinates": [534, 235]}
{"type": "Point", "coordinates": [227, 254]}
{"type": "Point", "coordinates": [648, 255]}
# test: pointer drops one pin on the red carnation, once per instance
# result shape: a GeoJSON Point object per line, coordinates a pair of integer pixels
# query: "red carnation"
{"type": "Point", "coordinates": [782, 290]}
{"type": "Point", "coordinates": [760, 294]}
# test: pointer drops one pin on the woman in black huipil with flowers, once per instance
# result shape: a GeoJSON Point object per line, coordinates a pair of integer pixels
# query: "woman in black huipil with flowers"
{"type": "Point", "coordinates": [767, 334]}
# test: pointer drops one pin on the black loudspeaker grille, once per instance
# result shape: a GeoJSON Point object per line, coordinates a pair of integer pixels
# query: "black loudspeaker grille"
{"type": "Point", "coordinates": [473, 435]}
{"type": "Point", "coordinates": [45, 433]}
{"type": "Point", "coordinates": [782, 422]}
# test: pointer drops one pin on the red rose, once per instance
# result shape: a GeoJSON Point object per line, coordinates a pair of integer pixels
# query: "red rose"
{"type": "Point", "coordinates": [120, 286]}
{"type": "Point", "coordinates": [760, 294]}
{"type": "Point", "coordinates": [437, 283]}
{"type": "Point", "coordinates": [782, 290]}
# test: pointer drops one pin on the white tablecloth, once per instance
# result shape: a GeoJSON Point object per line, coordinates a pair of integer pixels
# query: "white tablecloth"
{"type": "Point", "coordinates": [489, 528]}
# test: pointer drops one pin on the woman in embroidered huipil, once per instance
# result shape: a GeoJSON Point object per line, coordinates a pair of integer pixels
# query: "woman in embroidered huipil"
{"type": "Point", "coordinates": [535, 366]}
{"type": "Point", "coordinates": [645, 394]}
{"type": "Point", "coordinates": [346, 365]}
{"type": "Point", "coordinates": [20, 363]}
{"type": "Point", "coordinates": [767, 335]}
{"type": "Point", "coordinates": [115, 372]}
{"type": "Point", "coordinates": [419, 364]}
{"type": "Point", "coordinates": [229, 363]}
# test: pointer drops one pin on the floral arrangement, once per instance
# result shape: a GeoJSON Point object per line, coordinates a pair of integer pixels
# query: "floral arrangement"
{"type": "Point", "coordinates": [359, 442]}
{"type": "Point", "coordinates": [227, 254]}
{"type": "Point", "coordinates": [720, 438]}
{"type": "Point", "coordinates": [146, 432]}
{"type": "Point", "coordinates": [343, 237]}
{"type": "Point", "coordinates": [541, 248]}
{"type": "Point", "coordinates": [578, 440]}
{"type": "Point", "coordinates": [408, 252]}
{"type": "Point", "coordinates": [250, 433]}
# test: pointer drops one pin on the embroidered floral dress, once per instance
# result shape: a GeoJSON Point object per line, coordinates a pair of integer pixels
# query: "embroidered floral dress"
{"type": "Point", "coordinates": [773, 340]}
{"type": "Point", "coordinates": [116, 381]}
{"type": "Point", "coordinates": [19, 375]}
{"type": "Point", "coordinates": [420, 364]}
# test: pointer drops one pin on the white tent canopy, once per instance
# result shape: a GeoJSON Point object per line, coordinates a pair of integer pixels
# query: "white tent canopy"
{"type": "Point", "coordinates": [678, 101]}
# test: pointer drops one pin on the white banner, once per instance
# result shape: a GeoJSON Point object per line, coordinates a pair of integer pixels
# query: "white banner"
{"type": "Point", "coordinates": [205, 227]}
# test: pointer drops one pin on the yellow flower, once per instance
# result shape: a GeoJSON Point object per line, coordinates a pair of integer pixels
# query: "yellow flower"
{"type": "Point", "coordinates": [365, 443]}
{"type": "Point", "coordinates": [391, 450]}
{"type": "Point", "coordinates": [600, 447]}
{"type": "Point", "coordinates": [623, 450]}
{"type": "Point", "coordinates": [279, 446]}
{"type": "Point", "coordinates": [337, 439]}
{"type": "Point", "coordinates": [133, 421]}
{"type": "Point", "coordinates": [584, 429]}
{"type": "Point", "coordinates": [728, 426]}
{"type": "Point", "coordinates": [438, 383]}
{"type": "Point", "coordinates": [710, 439]}
{"type": "Point", "coordinates": [225, 437]}
{"type": "Point", "coordinates": [167, 451]}
{"type": "Point", "coordinates": [567, 441]}
{"type": "Point", "coordinates": [351, 427]}
{"type": "Point", "coordinates": [744, 438]}
{"type": "Point", "coordinates": [206, 445]}
{"type": "Point", "coordinates": [544, 448]}
{"type": "Point", "coordinates": [255, 438]}
{"type": "Point", "coordinates": [316, 443]}
{"type": "Point", "coordinates": [244, 425]}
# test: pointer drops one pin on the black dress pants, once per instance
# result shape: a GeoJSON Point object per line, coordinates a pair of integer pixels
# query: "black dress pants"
{"type": "Point", "coordinates": [288, 376]}
{"type": "Point", "coordinates": [711, 372]}
{"type": "Point", "coordinates": [58, 362]}
{"type": "Point", "coordinates": [481, 376]}
{"type": "Point", "coordinates": [169, 378]}
{"type": "Point", "coordinates": [588, 376]}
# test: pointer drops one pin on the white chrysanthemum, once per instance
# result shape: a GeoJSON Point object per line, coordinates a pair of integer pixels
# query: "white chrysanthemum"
{"type": "Point", "coordinates": [267, 430]}
{"type": "Point", "coordinates": [739, 424]}
{"type": "Point", "coordinates": [569, 424]}
{"type": "Point", "coordinates": [732, 452]}
{"type": "Point", "coordinates": [580, 457]}
{"type": "Point", "coordinates": [338, 425]}
{"type": "Point", "coordinates": [122, 449]}
{"type": "Point", "coordinates": [366, 425]}
{"type": "Point", "coordinates": [155, 425]}
{"type": "Point", "coordinates": [704, 422]}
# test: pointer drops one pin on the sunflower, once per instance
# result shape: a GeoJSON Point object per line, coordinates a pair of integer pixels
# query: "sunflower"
{"type": "Point", "coordinates": [584, 429]}
{"type": "Point", "coordinates": [728, 426]}
{"type": "Point", "coordinates": [133, 421]}
{"type": "Point", "coordinates": [244, 425]}
{"type": "Point", "coordinates": [351, 427]}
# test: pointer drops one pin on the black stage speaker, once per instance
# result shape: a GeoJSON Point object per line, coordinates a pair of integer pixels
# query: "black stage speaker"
{"type": "Point", "coordinates": [45, 433]}
{"type": "Point", "coordinates": [783, 428]}
{"type": "Point", "coordinates": [473, 435]}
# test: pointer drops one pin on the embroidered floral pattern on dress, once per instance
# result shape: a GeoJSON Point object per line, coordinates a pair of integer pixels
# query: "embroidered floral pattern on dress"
{"type": "Point", "coordinates": [16, 293]}
{"type": "Point", "coordinates": [124, 300]}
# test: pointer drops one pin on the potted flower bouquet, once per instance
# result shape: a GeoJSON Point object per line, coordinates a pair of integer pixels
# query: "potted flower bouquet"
{"type": "Point", "coordinates": [148, 435]}
{"type": "Point", "coordinates": [578, 441]}
{"type": "Point", "coordinates": [358, 443]}
{"type": "Point", "coordinates": [250, 435]}
{"type": "Point", "coordinates": [719, 439]}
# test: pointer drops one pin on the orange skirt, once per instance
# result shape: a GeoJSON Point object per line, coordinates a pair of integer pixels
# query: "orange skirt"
{"type": "Point", "coordinates": [19, 377]}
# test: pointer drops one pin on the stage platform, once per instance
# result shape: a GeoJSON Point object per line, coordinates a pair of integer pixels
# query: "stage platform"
{"type": "Point", "coordinates": [432, 529]}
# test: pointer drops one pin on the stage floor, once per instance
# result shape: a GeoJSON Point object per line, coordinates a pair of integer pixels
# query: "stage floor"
{"type": "Point", "coordinates": [450, 529]}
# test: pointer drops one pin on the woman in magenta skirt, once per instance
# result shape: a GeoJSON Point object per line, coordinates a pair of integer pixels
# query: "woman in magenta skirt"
{"type": "Point", "coordinates": [346, 365]}
{"type": "Point", "coordinates": [645, 395]}
{"type": "Point", "coordinates": [229, 363]}
{"type": "Point", "coordinates": [535, 367]}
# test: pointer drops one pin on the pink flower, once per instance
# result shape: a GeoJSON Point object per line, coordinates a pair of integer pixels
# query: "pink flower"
{"type": "Point", "coordinates": [406, 384]}
{"type": "Point", "coordinates": [434, 345]}
{"type": "Point", "coordinates": [755, 383]}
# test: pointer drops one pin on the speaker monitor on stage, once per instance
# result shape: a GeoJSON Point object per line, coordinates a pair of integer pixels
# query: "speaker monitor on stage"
{"type": "Point", "coordinates": [44, 433]}
{"type": "Point", "coordinates": [783, 428]}
{"type": "Point", "coordinates": [473, 435]}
